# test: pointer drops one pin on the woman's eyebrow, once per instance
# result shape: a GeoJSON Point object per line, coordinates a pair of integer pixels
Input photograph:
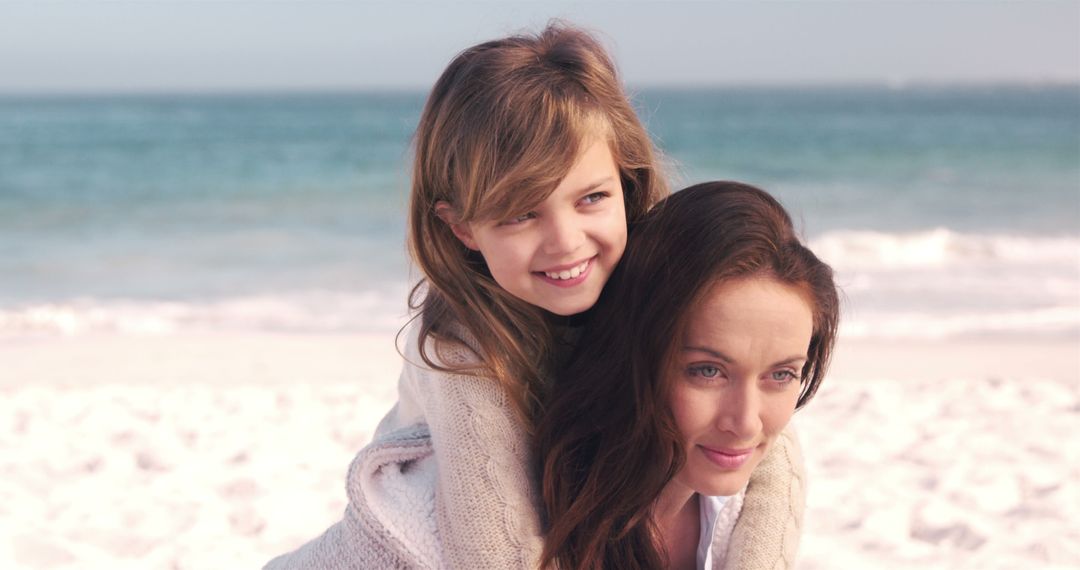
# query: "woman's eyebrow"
{"type": "Point", "coordinates": [712, 352]}
{"type": "Point", "coordinates": [791, 360]}
{"type": "Point", "coordinates": [720, 355]}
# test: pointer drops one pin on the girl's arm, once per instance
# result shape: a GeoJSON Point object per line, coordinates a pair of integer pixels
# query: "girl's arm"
{"type": "Point", "coordinates": [766, 535]}
{"type": "Point", "coordinates": [486, 501]}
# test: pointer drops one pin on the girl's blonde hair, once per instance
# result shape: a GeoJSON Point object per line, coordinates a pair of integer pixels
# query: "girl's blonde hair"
{"type": "Point", "coordinates": [503, 125]}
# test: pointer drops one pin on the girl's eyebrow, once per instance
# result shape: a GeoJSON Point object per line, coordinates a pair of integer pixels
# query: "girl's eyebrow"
{"type": "Point", "coordinates": [721, 356]}
{"type": "Point", "coordinates": [595, 185]}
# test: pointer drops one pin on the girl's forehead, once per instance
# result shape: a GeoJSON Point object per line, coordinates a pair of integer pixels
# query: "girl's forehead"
{"type": "Point", "coordinates": [532, 179]}
{"type": "Point", "coordinates": [512, 199]}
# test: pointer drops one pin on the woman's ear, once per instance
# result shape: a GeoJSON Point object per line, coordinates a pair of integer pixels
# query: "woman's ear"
{"type": "Point", "coordinates": [462, 231]}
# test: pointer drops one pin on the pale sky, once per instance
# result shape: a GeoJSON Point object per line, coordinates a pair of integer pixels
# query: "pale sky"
{"type": "Point", "coordinates": [221, 45]}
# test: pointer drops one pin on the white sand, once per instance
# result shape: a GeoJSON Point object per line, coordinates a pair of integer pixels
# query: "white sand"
{"type": "Point", "coordinates": [220, 450]}
{"type": "Point", "coordinates": [945, 455]}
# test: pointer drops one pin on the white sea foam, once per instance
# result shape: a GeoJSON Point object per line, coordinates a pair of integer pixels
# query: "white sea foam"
{"type": "Point", "coordinates": [367, 311]}
{"type": "Point", "coordinates": [1062, 320]}
{"type": "Point", "coordinates": [934, 284]}
{"type": "Point", "coordinates": [941, 247]}
{"type": "Point", "coordinates": [940, 283]}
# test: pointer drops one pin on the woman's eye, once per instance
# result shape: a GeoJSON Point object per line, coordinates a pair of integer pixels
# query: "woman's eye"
{"type": "Point", "coordinates": [783, 376]}
{"type": "Point", "coordinates": [704, 371]}
{"type": "Point", "coordinates": [593, 198]}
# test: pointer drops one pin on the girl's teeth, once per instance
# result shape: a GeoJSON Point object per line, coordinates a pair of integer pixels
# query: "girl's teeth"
{"type": "Point", "coordinates": [570, 274]}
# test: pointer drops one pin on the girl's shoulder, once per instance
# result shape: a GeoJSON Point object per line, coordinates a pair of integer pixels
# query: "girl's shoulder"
{"type": "Point", "coordinates": [454, 350]}
{"type": "Point", "coordinates": [443, 382]}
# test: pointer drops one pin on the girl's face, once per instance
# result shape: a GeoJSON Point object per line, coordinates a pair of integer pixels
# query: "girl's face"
{"type": "Point", "coordinates": [736, 378]}
{"type": "Point", "coordinates": [559, 255]}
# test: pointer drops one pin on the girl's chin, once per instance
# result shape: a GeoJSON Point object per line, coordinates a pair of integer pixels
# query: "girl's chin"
{"type": "Point", "coordinates": [568, 307]}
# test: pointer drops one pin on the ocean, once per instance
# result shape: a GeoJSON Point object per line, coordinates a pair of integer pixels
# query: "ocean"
{"type": "Point", "coordinates": [948, 212]}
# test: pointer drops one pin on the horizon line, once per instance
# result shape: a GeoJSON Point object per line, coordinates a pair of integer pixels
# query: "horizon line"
{"type": "Point", "coordinates": [894, 85]}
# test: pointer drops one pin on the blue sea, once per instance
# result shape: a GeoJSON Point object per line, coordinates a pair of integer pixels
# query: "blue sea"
{"type": "Point", "coordinates": [946, 211]}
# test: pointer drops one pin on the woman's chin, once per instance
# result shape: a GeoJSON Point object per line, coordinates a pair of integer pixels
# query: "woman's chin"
{"type": "Point", "coordinates": [727, 487]}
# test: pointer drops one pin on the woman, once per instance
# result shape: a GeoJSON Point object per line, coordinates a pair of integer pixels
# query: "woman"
{"type": "Point", "coordinates": [715, 327]}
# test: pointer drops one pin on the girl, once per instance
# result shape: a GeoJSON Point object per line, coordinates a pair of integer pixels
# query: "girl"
{"type": "Point", "coordinates": [716, 326]}
{"type": "Point", "coordinates": [529, 162]}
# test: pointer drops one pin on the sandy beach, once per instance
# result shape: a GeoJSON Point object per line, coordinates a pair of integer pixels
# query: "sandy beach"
{"type": "Point", "coordinates": [221, 450]}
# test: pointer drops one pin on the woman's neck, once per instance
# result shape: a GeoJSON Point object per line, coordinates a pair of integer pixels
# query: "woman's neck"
{"type": "Point", "coordinates": [678, 520]}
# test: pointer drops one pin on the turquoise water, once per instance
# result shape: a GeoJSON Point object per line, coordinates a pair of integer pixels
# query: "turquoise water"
{"type": "Point", "coordinates": [199, 196]}
{"type": "Point", "coordinates": [223, 209]}
{"type": "Point", "coordinates": [985, 160]}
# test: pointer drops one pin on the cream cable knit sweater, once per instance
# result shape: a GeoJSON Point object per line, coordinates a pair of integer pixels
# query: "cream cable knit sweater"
{"type": "Point", "coordinates": [446, 484]}
{"type": "Point", "coordinates": [389, 521]}
{"type": "Point", "coordinates": [766, 536]}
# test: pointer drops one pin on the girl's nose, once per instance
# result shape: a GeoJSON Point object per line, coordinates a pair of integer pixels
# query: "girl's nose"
{"type": "Point", "coordinates": [563, 234]}
{"type": "Point", "coordinates": [739, 411]}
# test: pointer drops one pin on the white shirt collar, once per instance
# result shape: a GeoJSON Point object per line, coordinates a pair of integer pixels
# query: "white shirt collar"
{"type": "Point", "coordinates": [710, 509]}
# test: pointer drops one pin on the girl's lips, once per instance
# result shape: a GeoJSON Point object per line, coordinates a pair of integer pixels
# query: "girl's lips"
{"type": "Point", "coordinates": [568, 282]}
{"type": "Point", "coordinates": [727, 458]}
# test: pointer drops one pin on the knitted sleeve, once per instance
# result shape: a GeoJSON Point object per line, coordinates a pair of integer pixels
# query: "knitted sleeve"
{"type": "Point", "coordinates": [766, 535]}
{"type": "Point", "coordinates": [486, 501]}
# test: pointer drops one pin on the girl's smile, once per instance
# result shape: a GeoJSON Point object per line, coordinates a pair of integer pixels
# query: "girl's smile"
{"type": "Point", "coordinates": [567, 275]}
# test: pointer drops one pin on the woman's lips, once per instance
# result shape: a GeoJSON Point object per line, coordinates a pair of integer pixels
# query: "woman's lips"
{"type": "Point", "coordinates": [727, 458]}
{"type": "Point", "coordinates": [572, 281]}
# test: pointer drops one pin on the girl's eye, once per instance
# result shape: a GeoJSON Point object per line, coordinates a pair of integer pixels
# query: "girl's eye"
{"type": "Point", "coordinates": [594, 198]}
{"type": "Point", "coordinates": [704, 371]}
{"type": "Point", "coordinates": [517, 220]}
{"type": "Point", "coordinates": [783, 376]}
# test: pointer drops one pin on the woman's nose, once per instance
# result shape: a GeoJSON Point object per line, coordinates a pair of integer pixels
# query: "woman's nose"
{"type": "Point", "coordinates": [739, 411]}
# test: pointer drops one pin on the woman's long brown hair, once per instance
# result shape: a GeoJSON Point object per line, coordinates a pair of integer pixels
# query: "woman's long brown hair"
{"type": "Point", "coordinates": [607, 442]}
{"type": "Point", "coordinates": [501, 128]}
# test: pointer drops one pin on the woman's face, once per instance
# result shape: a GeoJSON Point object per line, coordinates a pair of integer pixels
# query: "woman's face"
{"type": "Point", "coordinates": [736, 378]}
